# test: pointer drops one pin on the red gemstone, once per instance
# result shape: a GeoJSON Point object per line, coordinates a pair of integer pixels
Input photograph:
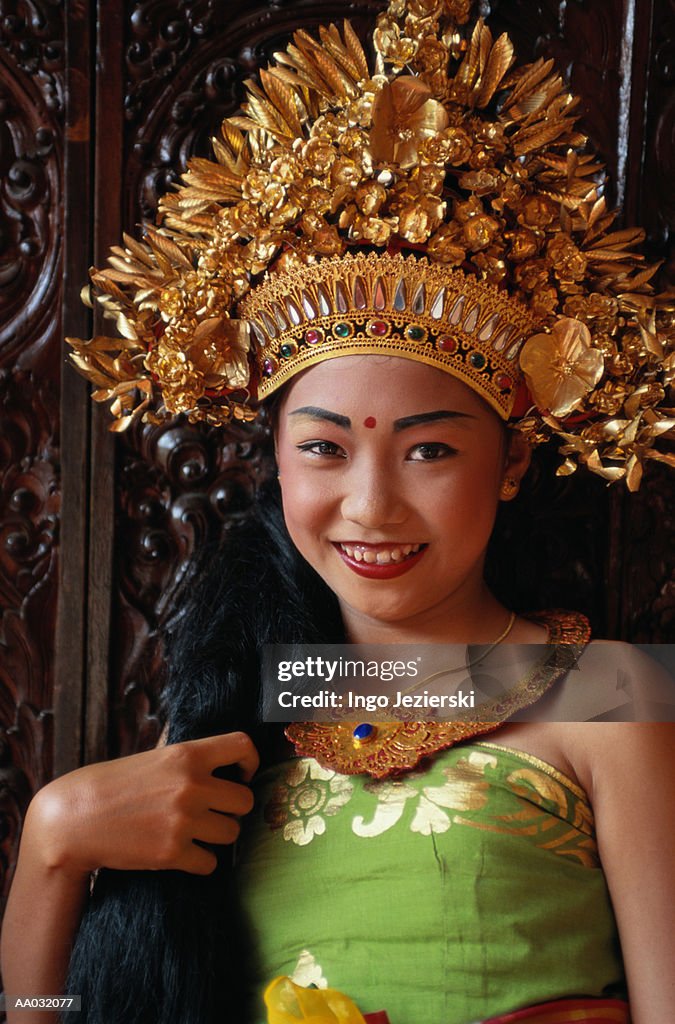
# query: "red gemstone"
{"type": "Point", "coordinates": [312, 337]}
{"type": "Point", "coordinates": [502, 381]}
{"type": "Point", "coordinates": [447, 344]}
{"type": "Point", "coordinates": [378, 328]}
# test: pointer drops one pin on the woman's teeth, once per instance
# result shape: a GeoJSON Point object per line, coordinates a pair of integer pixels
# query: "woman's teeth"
{"type": "Point", "coordinates": [383, 556]}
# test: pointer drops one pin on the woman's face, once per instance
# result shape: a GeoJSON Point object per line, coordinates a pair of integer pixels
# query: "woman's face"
{"type": "Point", "coordinates": [390, 473]}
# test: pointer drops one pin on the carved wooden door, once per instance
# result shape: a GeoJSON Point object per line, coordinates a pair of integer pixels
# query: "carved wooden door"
{"type": "Point", "coordinates": [100, 105]}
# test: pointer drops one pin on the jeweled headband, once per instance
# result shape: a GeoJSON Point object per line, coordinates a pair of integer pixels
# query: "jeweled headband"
{"type": "Point", "coordinates": [440, 205]}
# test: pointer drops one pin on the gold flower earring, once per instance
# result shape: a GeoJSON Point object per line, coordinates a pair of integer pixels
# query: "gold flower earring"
{"type": "Point", "coordinates": [509, 488]}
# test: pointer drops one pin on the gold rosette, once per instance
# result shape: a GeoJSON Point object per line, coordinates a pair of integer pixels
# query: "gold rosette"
{"type": "Point", "coordinates": [219, 349]}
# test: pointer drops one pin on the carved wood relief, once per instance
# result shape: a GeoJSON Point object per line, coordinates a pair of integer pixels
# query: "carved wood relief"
{"type": "Point", "coordinates": [31, 173]}
{"type": "Point", "coordinates": [31, 229]}
{"type": "Point", "coordinates": [178, 67]}
{"type": "Point", "coordinates": [178, 488]}
{"type": "Point", "coordinates": [185, 68]}
{"type": "Point", "coordinates": [30, 501]}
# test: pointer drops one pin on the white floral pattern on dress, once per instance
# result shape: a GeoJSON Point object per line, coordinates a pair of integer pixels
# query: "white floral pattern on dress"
{"type": "Point", "coordinates": [391, 800]}
{"type": "Point", "coordinates": [308, 794]}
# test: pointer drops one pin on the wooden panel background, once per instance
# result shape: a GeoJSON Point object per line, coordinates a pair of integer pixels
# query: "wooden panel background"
{"type": "Point", "coordinates": [100, 106]}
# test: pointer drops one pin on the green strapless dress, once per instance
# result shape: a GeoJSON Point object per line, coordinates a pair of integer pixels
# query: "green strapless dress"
{"type": "Point", "coordinates": [446, 896]}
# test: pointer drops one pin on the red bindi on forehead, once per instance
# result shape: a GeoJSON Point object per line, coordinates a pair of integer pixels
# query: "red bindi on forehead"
{"type": "Point", "coordinates": [370, 421]}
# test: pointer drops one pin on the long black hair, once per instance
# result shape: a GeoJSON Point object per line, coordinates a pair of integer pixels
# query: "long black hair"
{"type": "Point", "coordinates": [167, 947]}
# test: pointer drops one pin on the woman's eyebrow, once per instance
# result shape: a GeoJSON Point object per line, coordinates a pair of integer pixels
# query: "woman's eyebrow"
{"type": "Point", "coordinates": [316, 413]}
{"type": "Point", "coordinates": [430, 417]}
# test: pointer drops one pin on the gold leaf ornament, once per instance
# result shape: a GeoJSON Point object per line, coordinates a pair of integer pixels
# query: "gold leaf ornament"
{"type": "Point", "coordinates": [560, 367]}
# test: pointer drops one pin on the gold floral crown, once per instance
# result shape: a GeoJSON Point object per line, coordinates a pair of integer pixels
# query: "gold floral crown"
{"type": "Point", "coordinates": [259, 265]}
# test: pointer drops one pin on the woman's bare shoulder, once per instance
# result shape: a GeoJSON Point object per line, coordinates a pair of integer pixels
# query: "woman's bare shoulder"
{"type": "Point", "coordinates": [604, 755]}
{"type": "Point", "coordinates": [600, 719]}
{"type": "Point", "coordinates": [635, 697]}
{"type": "Point", "coordinates": [650, 661]}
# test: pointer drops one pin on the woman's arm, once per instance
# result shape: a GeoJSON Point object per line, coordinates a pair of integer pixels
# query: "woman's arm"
{"type": "Point", "coordinates": [629, 770]}
{"type": "Point", "coordinates": [138, 813]}
{"type": "Point", "coordinates": [41, 919]}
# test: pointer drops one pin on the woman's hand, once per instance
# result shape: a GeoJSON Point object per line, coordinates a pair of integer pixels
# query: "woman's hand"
{"type": "Point", "coordinates": [144, 812]}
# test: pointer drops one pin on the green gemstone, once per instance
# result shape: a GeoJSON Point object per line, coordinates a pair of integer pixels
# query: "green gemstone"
{"type": "Point", "coordinates": [342, 330]}
{"type": "Point", "coordinates": [286, 351]}
{"type": "Point", "coordinates": [477, 360]}
{"type": "Point", "coordinates": [415, 333]}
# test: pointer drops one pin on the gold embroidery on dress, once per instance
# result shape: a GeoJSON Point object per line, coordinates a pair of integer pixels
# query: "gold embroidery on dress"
{"type": "Point", "coordinates": [543, 766]}
{"type": "Point", "coordinates": [457, 794]}
{"type": "Point", "coordinates": [548, 813]}
{"type": "Point", "coordinates": [461, 792]}
{"type": "Point", "coordinates": [546, 806]}
{"type": "Point", "coordinates": [391, 799]}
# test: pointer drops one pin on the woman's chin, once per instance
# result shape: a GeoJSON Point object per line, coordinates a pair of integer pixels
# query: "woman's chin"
{"type": "Point", "coordinates": [381, 610]}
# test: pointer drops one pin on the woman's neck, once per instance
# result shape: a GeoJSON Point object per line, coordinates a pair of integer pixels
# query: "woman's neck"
{"type": "Point", "coordinates": [476, 619]}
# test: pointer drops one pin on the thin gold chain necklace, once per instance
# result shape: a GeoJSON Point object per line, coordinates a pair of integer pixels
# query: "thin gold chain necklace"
{"type": "Point", "coordinates": [467, 664]}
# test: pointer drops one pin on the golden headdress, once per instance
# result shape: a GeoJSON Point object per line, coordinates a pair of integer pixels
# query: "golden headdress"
{"type": "Point", "coordinates": [441, 205]}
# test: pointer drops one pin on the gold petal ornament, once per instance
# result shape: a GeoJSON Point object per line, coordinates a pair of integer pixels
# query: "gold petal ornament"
{"type": "Point", "coordinates": [219, 351]}
{"type": "Point", "coordinates": [404, 115]}
{"type": "Point", "coordinates": [560, 367]}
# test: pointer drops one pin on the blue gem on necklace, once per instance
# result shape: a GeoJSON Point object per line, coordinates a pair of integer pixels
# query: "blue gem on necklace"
{"type": "Point", "coordinates": [363, 733]}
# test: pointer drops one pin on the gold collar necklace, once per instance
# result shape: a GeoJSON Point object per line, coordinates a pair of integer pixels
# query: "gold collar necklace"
{"type": "Point", "coordinates": [392, 748]}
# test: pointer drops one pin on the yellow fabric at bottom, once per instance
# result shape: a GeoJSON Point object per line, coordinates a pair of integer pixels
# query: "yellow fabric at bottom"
{"type": "Point", "coordinates": [288, 1003]}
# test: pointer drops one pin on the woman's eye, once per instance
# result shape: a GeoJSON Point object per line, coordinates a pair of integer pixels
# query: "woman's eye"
{"type": "Point", "coordinates": [321, 448]}
{"type": "Point", "coordinates": [430, 451]}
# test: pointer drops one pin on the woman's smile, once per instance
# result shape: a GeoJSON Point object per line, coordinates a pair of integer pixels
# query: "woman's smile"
{"type": "Point", "coordinates": [380, 561]}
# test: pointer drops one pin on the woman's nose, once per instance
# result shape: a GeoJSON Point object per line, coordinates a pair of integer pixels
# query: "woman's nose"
{"type": "Point", "coordinates": [373, 498]}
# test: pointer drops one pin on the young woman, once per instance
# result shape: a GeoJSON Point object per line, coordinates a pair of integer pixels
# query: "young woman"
{"type": "Point", "coordinates": [453, 872]}
{"type": "Point", "coordinates": [367, 470]}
